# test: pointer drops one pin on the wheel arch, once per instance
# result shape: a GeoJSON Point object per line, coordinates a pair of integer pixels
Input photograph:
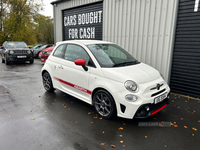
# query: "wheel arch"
{"type": "Point", "coordinates": [101, 88]}
{"type": "Point", "coordinates": [44, 71]}
{"type": "Point", "coordinates": [52, 81]}
{"type": "Point", "coordinates": [114, 111]}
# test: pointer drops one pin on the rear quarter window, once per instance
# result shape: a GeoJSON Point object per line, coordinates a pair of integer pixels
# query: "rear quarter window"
{"type": "Point", "coordinates": [58, 51]}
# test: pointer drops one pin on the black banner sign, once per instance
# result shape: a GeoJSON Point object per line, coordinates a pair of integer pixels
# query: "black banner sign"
{"type": "Point", "coordinates": [84, 22]}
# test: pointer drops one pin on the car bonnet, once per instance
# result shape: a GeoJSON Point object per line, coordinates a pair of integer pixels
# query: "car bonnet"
{"type": "Point", "coordinates": [139, 73]}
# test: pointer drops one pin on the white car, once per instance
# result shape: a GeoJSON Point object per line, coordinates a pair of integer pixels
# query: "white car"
{"type": "Point", "coordinates": [106, 76]}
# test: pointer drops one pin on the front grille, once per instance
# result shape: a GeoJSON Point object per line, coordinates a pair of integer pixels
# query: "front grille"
{"type": "Point", "coordinates": [20, 51]}
{"type": "Point", "coordinates": [156, 86]}
{"type": "Point", "coordinates": [44, 57]}
{"type": "Point", "coordinates": [157, 93]}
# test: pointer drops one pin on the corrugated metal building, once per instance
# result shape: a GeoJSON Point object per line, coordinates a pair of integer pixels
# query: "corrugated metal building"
{"type": "Point", "coordinates": [145, 28]}
{"type": "Point", "coordinates": [185, 74]}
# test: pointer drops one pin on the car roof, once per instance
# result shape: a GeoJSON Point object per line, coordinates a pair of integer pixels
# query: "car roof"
{"type": "Point", "coordinates": [15, 41]}
{"type": "Point", "coordinates": [85, 42]}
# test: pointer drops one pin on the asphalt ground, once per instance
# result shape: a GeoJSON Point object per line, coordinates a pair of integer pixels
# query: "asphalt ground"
{"type": "Point", "coordinates": [32, 119]}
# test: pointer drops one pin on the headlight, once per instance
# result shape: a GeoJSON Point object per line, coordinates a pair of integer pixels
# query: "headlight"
{"type": "Point", "coordinates": [29, 51]}
{"type": "Point", "coordinates": [131, 86]}
{"type": "Point", "coordinates": [11, 52]}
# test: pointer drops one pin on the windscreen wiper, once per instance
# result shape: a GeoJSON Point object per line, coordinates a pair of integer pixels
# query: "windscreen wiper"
{"type": "Point", "coordinates": [124, 64]}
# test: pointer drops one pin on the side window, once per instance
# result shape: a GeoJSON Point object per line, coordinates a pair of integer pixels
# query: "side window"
{"type": "Point", "coordinates": [74, 52]}
{"type": "Point", "coordinates": [58, 51]}
{"type": "Point", "coordinates": [4, 44]}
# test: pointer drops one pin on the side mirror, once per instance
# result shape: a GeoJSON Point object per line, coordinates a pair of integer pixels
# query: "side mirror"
{"type": "Point", "coordinates": [81, 62]}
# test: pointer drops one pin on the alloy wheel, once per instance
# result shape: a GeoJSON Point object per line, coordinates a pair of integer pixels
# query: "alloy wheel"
{"type": "Point", "coordinates": [103, 104]}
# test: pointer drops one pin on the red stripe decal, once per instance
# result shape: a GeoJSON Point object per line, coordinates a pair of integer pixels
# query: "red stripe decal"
{"type": "Point", "coordinates": [158, 110]}
{"type": "Point", "coordinates": [74, 86]}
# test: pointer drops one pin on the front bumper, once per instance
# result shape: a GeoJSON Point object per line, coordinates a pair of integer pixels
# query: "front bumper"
{"type": "Point", "coordinates": [147, 110]}
{"type": "Point", "coordinates": [145, 97]}
{"type": "Point", "coordinates": [44, 58]}
{"type": "Point", "coordinates": [15, 58]}
{"type": "Point", "coordinates": [35, 55]}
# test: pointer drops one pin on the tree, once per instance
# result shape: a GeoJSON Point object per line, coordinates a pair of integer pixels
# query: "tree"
{"type": "Point", "coordinates": [3, 12]}
{"type": "Point", "coordinates": [20, 23]}
{"type": "Point", "coordinates": [45, 28]}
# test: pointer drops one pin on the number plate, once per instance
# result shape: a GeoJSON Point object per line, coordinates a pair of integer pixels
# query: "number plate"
{"type": "Point", "coordinates": [21, 56]}
{"type": "Point", "coordinates": [160, 98]}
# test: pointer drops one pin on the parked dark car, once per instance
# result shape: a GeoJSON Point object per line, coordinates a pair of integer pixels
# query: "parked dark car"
{"type": "Point", "coordinates": [37, 51]}
{"type": "Point", "coordinates": [36, 46]}
{"type": "Point", "coordinates": [16, 52]}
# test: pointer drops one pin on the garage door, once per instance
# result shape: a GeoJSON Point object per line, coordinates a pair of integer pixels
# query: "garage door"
{"type": "Point", "coordinates": [84, 22]}
{"type": "Point", "coordinates": [185, 76]}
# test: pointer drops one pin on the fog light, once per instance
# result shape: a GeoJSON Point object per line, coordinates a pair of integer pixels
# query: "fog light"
{"type": "Point", "coordinates": [147, 108]}
{"type": "Point", "coordinates": [131, 98]}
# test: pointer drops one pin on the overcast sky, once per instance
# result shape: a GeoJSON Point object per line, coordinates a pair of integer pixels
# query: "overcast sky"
{"type": "Point", "coordinates": [48, 8]}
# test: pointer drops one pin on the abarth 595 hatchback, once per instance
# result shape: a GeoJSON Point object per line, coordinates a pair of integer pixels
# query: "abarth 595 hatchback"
{"type": "Point", "coordinates": [106, 76]}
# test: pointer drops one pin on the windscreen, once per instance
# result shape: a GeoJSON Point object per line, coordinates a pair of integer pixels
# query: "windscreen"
{"type": "Point", "coordinates": [111, 55]}
{"type": "Point", "coordinates": [16, 45]}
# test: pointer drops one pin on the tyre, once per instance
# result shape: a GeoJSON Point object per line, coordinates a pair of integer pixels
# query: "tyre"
{"type": "Point", "coordinates": [31, 61]}
{"type": "Point", "coordinates": [7, 62]}
{"type": "Point", "coordinates": [104, 104]}
{"type": "Point", "coordinates": [47, 82]}
{"type": "Point", "coordinates": [2, 60]}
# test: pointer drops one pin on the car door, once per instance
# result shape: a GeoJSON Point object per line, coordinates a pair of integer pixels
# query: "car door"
{"type": "Point", "coordinates": [53, 62]}
{"type": "Point", "coordinates": [74, 79]}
